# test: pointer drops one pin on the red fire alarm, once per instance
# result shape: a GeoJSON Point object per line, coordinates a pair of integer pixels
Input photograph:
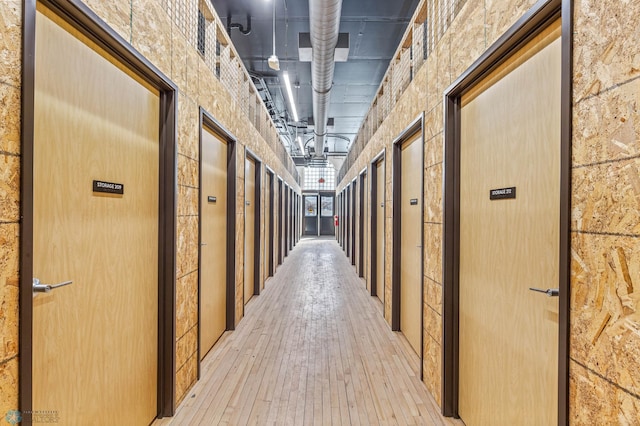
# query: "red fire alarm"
{"type": "Point", "coordinates": [321, 180]}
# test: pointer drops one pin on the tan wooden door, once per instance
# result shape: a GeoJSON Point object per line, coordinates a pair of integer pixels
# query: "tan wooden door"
{"type": "Point", "coordinates": [95, 341]}
{"type": "Point", "coordinates": [249, 227]}
{"type": "Point", "coordinates": [213, 240]}
{"type": "Point", "coordinates": [510, 137]}
{"type": "Point", "coordinates": [267, 228]}
{"type": "Point", "coordinates": [365, 243]}
{"type": "Point", "coordinates": [411, 241]}
{"type": "Point", "coordinates": [380, 219]}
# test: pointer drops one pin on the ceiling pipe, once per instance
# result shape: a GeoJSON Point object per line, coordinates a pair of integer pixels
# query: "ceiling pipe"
{"type": "Point", "coordinates": [324, 18]}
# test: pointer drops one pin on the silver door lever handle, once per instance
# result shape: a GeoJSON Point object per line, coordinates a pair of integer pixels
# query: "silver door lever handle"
{"type": "Point", "coordinates": [549, 292]}
{"type": "Point", "coordinates": [46, 288]}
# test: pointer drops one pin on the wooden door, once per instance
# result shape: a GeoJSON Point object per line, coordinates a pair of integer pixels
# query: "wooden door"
{"type": "Point", "coordinates": [365, 234]}
{"type": "Point", "coordinates": [213, 239]}
{"type": "Point", "coordinates": [411, 241]}
{"type": "Point", "coordinates": [510, 137]}
{"type": "Point", "coordinates": [249, 227]}
{"type": "Point", "coordinates": [380, 218]}
{"type": "Point", "coordinates": [357, 217]}
{"type": "Point", "coordinates": [268, 251]}
{"type": "Point", "coordinates": [95, 342]}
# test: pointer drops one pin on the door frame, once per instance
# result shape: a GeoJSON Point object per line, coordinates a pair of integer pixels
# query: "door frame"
{"type": "Point", "coordinates": [373, 240]}
{"type": "Point", "coordinates": [280, 211]}
{"type": "Point", "coordinates": [270, 235]}
{"type": "Point", "coordinates": [354, 186]}
{"type": "Point", "coordinates": [82, 18]}
{"type": "Point", "coordinates": [361, 221]}
{"type": "Point", "coordinates": [206, 120]}
{"type": "Point", "coordinates": [529, 25]}
{"type": "Point", "coordinates": [287, 218]}
{"type": "Point", "coordinates": [256, 226]}
{"type": "Point", "coordinates": [416, 126]}
{"type": "Point", "coordinates": [304, 217]}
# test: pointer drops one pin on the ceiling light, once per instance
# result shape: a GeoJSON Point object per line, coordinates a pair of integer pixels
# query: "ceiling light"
{"type": "Point", "coordinates": [273, 61]}
{"type": "Point", "coordinates": [299, 140]}
{"type": "Point", "coordinates": [287, 83]}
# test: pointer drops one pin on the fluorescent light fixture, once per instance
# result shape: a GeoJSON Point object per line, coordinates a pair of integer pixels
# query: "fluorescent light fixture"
{"type": "Point", "coordinates": [287, 83]}
{"type": "Point", "coordinates": [299, 139]}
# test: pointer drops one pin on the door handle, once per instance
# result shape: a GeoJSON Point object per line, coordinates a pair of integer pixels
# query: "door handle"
{"type": "Point", "coordinates": [46, 288]}
{"type": "Point", "coordinates": [551, 292]}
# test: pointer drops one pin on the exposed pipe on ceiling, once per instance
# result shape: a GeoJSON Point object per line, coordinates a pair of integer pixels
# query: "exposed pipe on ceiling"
{"type": "Point", "coordinates": [324, 16]}
{"type": "Point", "coordinates": [240, 27]}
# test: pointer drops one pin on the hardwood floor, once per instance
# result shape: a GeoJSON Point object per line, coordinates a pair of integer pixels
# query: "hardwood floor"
{"type": "Point", "coordinates": [312, 349]}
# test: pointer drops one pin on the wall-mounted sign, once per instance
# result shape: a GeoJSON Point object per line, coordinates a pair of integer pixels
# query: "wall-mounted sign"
{"type": "Point", "coordinates": [108, 187]}
{"type": "Point", "coordinates": [502, 193]}
{"type": "Point", "coordinates": [413, 201]}
{"type": "Point", "coordinates": [211, 199]}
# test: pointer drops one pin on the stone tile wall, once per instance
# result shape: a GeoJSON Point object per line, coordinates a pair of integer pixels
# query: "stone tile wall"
{"type": "Point", "coordinates": [10, 86]}
{"type": "Point", "coordinates": [605, 224]}
{"type": "Point", "coordinates": [164, 32]}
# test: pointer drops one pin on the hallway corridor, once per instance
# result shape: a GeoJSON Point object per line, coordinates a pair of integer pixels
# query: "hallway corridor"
{"type": "Point", "coordinates": [313, 348]}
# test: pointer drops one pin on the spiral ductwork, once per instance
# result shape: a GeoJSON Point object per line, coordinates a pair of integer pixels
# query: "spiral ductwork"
{"type": "Point", "coordinates": [325, 26]}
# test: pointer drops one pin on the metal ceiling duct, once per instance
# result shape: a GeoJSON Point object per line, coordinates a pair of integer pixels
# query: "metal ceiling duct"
{"type": "Point", "coordinates": [324, 16]}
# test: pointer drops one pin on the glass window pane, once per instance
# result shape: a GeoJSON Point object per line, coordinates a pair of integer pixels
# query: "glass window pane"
{"type": "Point", "coordinates": [311, 206]}
{"type": "Point", "coordinates": [326, 206]}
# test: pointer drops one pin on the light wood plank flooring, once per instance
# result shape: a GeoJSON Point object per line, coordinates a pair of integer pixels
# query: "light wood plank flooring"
{"type": "Point", "coordinates": [312, 349]}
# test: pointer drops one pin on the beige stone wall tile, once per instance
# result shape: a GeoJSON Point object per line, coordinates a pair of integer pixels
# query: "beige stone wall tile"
{"type": "Point", "coordinates": [605, 306]}
{"type": "Point", "coordinates": [9, 188]}
{"type": "Point", "coordinates": [433, 194]}
{"type": "Point", "coordinates": [433, 251]}
{"type": "Point", "coordinates": [209, 92]}
{"type": "Point", "coordinates": [605, 45]}
{"type": "Point", "coordinates": [605, 197]}
{"type": "Point", "coordinates": [432, 368]}
{"type": "Point", "coordinates": [193, 73]}
{"type": "Point", "coordinates": [467, 37]}
{"type": "Point", "coordinates": [9, 291]}
{"type": "Point", "coordinates": [433, 324]}
{"type": "Point", "coordinates": [187, 201]}
{"type": "Point", "coordinates": [116, 13]}
{"type": "Point", "coordinates": [502, 14]}
{"type": "Point", "coordinates": [179, 65]}
{"type": "Point", "coordinates": [9, 251]}
{"type": "Point", "coordinates": [431, 65]}
{"type": "Point", "coordinates": [186, 377]}
{"type": "Point", "coordinates": [10, 118]}
{"type": "Point", "coordinates": [607, 126]}
{"type": "Point", "coordinates": [151, 33]}
{"type": "Point", "coordinates": [596, 401]}
{"type": "Point", "coordinates": [433, 297]}
{"type": "Point", "coordinates": [188, 127]}
{"type": "Point", "coordinates": [433, 121]}
{"type": "Point", "coordinates": [11, 42]}
{"type": "Point", "coordinates": [434, 146]}
{"type": "Point", "coordinates": [188, 171]}
{"type": "Point", "coordinates": [186, 303]}
{"type": "Point", "coordinates": [442, 53]}
{"type": "Point", "coordinates": [186, 347]}
{"type": "Point", "coordinates": [8, 386]}
{"type": "Point", "coordinates": [187, 245]}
